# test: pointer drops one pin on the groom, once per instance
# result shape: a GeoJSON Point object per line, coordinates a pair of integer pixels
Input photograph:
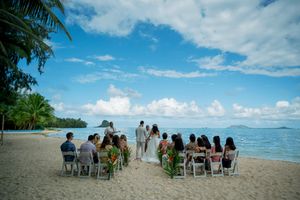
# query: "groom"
{"type": "Point", "coordinates": [140, 134]}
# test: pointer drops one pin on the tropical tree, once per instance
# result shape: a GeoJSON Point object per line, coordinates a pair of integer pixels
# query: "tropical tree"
{"type": "Point", "coordinates": [31, 110]}
{"type": "Point", "coordinates": [25, 26]}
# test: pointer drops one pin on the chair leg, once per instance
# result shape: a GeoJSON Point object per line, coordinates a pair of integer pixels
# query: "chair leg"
{"type": "Point", "coordinates": [62, 169]}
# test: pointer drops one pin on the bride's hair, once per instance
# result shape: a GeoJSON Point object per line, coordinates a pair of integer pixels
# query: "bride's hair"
{"type": "Point", "coordinates": [155, 128]}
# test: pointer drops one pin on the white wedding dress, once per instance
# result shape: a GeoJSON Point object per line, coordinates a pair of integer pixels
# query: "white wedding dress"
{"type": "Point", "coordinates": [151, 153]}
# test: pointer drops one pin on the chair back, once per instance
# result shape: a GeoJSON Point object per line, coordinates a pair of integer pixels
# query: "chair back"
{"type": "Point", "coordinates": [69, 156]}
{"type": "Point", "coordinates": [86, 157]}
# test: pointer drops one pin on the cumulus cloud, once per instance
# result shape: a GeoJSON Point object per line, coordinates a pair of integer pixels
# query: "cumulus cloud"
{"type": "Point", "coordinates": [58, 106]}
{"type": "Point", "coordinates": [174, 74]}
{"type": "Point", "coordinates": [247, 28]}
{"type": "Point", "coordinates": [283, 110]}
{"type": "Point", "coordinates": [216, 109]}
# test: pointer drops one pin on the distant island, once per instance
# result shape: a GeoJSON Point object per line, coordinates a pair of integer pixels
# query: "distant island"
{"type": "Point", "coordinates": [247, 127]}
{"type": "Point", "coordinates": [239, 126]}
{"type": "Point", "coordinates": [104, 123]}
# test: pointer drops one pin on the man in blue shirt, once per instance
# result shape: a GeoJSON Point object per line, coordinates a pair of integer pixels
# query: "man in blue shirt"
{"type": "Point", "coordinates": [68, 146]}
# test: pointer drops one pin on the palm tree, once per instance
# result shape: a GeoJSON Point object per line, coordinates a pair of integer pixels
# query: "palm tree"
{"type": "Point", "coordinates": [31, 110]}
{"type": "Point", "coordinates": [24, 27]}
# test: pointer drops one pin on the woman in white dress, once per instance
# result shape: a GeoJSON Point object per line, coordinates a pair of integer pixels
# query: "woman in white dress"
{"type": "Point", "coordinates": [151, 153]}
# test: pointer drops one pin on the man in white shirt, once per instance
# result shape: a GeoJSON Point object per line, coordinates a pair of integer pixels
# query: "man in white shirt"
{"type": "Point", "coordinates": [110, 130]}
{"type": "Point", "coordinates": [140, 134]}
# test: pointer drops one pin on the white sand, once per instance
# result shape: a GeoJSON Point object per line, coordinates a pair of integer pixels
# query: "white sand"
{"type": "Point", "coordinates": [30, 167]}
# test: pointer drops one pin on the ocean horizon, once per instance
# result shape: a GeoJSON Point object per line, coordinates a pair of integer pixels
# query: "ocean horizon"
{"type": "Point", "coordinates": [263, 143]}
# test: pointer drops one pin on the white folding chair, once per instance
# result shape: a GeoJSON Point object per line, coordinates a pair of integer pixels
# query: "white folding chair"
{"type": "Point", "coordinates": [234, 169]}
{"type": "Point", "coordinates": [72, 163]}
{"type": "Point", "coordinates": [198, 165]}
{"type": "Point", "coordinates": [216, 167]}
{"type": "Point", "coordinates": [102, 167]}
{"type": "Point", "coordinates": [181, 166]}
{"type": "Point", "coordinates": [189, 154]}
{"type": "Point", "coordinates": [85, 162]}
{"type": "Point", "coordinates": [120, 161]}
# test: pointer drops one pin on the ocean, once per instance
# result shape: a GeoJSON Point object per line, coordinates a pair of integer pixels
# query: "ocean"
{"type": "Point", "coordinates": [265, 143]}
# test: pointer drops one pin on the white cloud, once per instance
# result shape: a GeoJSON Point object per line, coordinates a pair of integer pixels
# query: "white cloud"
{"type": "Point", "coordinates": [78, 60]}
{"type": "Point", "coordinates": [127, 92]}
{"type": "Point", "coordinates": [59, 107]}
{"type": "Point", "coordinates": [174, 74]}
{"type": "Point", "coordinates": [283, 110]}
{"type": "Point", "coordinates": [105, 58]}
{"type": "Point", "coordinates": [106, 74]}
{"type": "Point", "coordinates": [270, 46]}
{"type": "Point", "coordinates": [216, 109]}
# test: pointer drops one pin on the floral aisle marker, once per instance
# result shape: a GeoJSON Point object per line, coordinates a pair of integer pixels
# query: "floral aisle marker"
{"type": "Point", "coordinates": [126, 154]}
{"type": "Point", "coordinates": [171, 168]}
{"type": "Point", "coordinates": [112, 160]}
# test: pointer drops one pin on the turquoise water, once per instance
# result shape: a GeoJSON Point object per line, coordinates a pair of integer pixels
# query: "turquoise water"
{"type": "Point", "coordinates": [272, 144]}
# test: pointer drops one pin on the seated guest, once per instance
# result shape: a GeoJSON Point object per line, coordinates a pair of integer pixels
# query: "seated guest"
{"type": "Point", "coordinates": [123, 143]}
{"type": "Point", "coordinates": [217, 148]}
{"type": "Point", "coordinates": [192, 144]}
{"type": "Point", "coordinates": [163, 144]}
{"type": "Point", "coordinates": [229, 146]}
{"type": "Point", "coordinates": [206, 142]}
{"type": "Point", "coordinates": [190, 147]}
{"type": "Point", "coordinates": [105, 146]}
{"type": "Point", "coordinates": [172, 144]}
{"type": "Point", "coordinates": [116, 141]}
{"type": "Point", "coordinates": [97, 141]}
{"type": "Point", "coordinates": [200, 148]}
{"type": "Point", "coordinates": [68, 146]}
{"type": "Point", "coordinates": [179, 147]}
{"type": "Point", "coordinates": [88, 146]}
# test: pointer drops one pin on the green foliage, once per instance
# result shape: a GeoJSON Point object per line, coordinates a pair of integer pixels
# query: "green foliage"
{"type": "Point", "coordinates": [66, 123]}
{"type": "Point", "coordinates": [126, 154]}
{"type": "Point", "coordinates": [173, 161]}
{"type": "Point", "coordinates": [25, 25]}
{"type": "Point", "coordinates": [113, 154]}
{"type": "Point", "coordinates": [31, 110]}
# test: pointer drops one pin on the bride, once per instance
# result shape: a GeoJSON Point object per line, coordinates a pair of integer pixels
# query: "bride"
{"type": "Point", "coordinates": [151, 153]}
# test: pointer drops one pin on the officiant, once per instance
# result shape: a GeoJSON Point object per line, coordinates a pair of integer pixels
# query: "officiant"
{"type": "Point", "coordinates": [110, 130]}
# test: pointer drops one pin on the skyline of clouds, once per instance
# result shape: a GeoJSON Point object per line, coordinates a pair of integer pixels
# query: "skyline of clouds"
{"type": "Point", "coordinates": [246, 28]}
{"type": "Point", "coordinates": [120, 104]}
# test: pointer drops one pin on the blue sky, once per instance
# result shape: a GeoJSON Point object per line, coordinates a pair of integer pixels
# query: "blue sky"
{"type": "Point", "coordinates": [176, 63]}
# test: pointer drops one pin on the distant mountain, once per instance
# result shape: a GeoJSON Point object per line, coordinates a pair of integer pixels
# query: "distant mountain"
{"type": "Point", "coordinates": [238, 126]}
{"type": "Point", "coordinates": [104, 123]}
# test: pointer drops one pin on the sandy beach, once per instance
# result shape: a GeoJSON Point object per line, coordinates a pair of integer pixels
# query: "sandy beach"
{"type": "Point", "coordinates": [30, 167]}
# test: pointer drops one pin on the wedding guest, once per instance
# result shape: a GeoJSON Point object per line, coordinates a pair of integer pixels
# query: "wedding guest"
{"type": "Point", "coordinates": [106, 144]}
{"type": "Point", "coordinates": [172, 144]}
{"type": "Point", "coordinates": [217, 148]}
{"type": "Point", "coordinates": [190, 147]}
{"type": "Point", "coordinates": [200, 148]}
{"type": "Point", "coordinates": [116, 141]}
{"type": "Point", "coordinates": [163, 144]}
{"type": "Point", "coordinates": [179, 147]}
{"type": "Point", "coordinates": [206, 142]}
{"type": "Point", "coordinates": [97, 141]}
{"type": "Point", "coordinates": [88, 146]}
{"type": "Point", "coordinates": [123, 142]}
{"type": "Point", "coordinates": [229, 147]}
{"type": "Point", "coordinates": [192, 144]}
{"type": "Point", "coordinates": [68, 146]}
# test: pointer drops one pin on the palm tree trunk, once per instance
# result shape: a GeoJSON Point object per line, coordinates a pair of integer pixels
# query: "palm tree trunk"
{"type": "Point", "coordinates": [2, 130]}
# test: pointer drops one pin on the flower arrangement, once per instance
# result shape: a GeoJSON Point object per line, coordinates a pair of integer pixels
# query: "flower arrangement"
{"type": "Point", "coordinates": [126, 154]}
{"type": "Point", "coordinates": [171, 168]}
{"type": "Point", "coordinates": [112, 159]}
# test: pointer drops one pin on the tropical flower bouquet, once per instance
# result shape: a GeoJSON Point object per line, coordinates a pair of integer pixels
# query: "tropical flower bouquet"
{"type": "Point", "coordinates": [126, 154]}
{"type": "Point", "coordinates": [112, 160]}
{"type": "Point", "coordinates": [171, 168]}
